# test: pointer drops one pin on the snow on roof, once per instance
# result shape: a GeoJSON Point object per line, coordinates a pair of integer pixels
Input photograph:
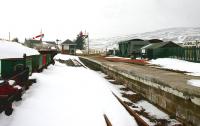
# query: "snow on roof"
{"type": "Point", "coordinates": [159, 45]}
{"type": "Point", "coordinates": [146, 46]}
{"type": "Point", "coordinates": [15, 50]}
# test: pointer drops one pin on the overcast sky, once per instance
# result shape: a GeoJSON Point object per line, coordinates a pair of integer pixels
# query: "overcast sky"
{"type": "Point", "coordinates": [64, 19]}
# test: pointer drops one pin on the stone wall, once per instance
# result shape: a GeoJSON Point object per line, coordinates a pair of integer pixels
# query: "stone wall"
{"type": "Point", "coordinates": [180, 108]}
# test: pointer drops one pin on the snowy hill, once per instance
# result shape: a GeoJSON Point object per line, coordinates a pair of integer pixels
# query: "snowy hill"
{"type": "Point", "coordinates": [172, 34]}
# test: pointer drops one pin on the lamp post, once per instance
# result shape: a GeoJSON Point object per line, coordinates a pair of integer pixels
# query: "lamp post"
{"type": "Point", "coordinates": [57, 40]}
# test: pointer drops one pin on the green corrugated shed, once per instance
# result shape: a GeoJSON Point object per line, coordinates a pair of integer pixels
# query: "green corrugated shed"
{"type": "Point", "coordinates": [127, 48]}
{"type": "Point", "coordinates": [159, 50]}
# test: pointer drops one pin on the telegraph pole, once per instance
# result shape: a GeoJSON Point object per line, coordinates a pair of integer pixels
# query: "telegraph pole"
{"type": "Point", "coordinates": [9, 36]}
{"type": "Point", "coordinates": [88, 43]}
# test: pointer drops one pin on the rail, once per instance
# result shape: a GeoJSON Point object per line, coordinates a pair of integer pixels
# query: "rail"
{"type": "Point", "coordinates": [107, 120]}
{"type": "Point", "coordinates": [138, 119]}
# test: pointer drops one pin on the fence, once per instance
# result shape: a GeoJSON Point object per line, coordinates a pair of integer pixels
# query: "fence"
{"type": "Point", "coordinates": [187, 53]}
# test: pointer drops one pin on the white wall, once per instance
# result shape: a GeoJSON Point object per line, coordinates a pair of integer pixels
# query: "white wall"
{"type": "Point", "coordinates": [66, 47]}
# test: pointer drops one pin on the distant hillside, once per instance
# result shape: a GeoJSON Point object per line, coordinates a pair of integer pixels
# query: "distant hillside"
{"type": "Point", "coordinates": [177, 35]}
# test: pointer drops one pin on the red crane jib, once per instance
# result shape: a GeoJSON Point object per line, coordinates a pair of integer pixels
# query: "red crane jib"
{"type": "Point", "coordinates": [41, 35]}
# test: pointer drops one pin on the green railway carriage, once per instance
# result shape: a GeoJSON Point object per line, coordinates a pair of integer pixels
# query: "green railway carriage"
{"type": "Point", "coordinates": [52, 53]}
{"type": "Point", "coordinates": [36, 62]}
{"type": "Point", "coordinates": [40, 62]}
{"type": "Point", "coordinates": [48, 56]}
{"type": "Point", "coordinates": [44, 60]}
{"type": "Point", "coordinates": [10, 67]}
{"type": "Point", "coordinates": [29, 64]}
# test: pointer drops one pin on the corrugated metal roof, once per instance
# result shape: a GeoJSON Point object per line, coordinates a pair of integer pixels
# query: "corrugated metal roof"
{"type": "Point", "coordinates": [131, 40]}
{"type": "Point", "coordinates": [155, 40]}
{"type": "Point", "coordinates": [135, 41]}
{"type": "Point", "coordinates": [144, 47]}
{"type": "Point", "coordinates": [157, 45]}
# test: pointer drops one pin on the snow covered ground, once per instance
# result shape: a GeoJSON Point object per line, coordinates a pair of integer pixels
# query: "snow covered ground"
{"type": "Point", "coordinates": [68, 96]}
{"type": "Point", "coordinates": [180, 65]}
{"type": "Point", "coordinates": [189, 67]}
{"type": "Point", "coordinates": [194, 82]}
{"type": "Point", "coordinates": [15, 50]}
{"type": "Point", "coordinates": [152, 110]}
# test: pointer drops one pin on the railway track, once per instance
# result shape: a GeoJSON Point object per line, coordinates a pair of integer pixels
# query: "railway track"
{"type": "Point", "coordinates": [107, 120]}
{"type": "Point", "coordinates": [137, 113]}
{"type": "Point", "coordinates": [138, 119]}
{"type": "Point", "coordinates": [72, 62]}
